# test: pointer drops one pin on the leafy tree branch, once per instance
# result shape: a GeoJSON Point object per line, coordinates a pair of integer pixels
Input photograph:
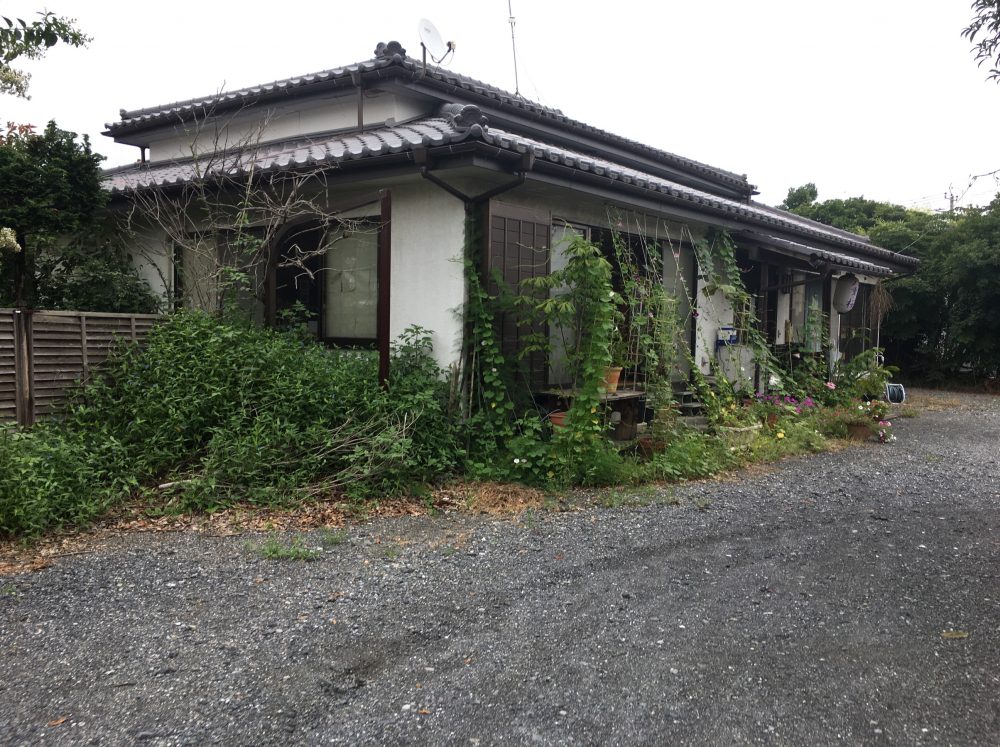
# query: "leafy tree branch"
{"type": "Point", "coordinates": [22, 40]}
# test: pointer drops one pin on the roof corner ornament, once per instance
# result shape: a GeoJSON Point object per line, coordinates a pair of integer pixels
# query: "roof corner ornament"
{"type": "Point", "coordinates": [392, 51]}
{"type": "Point", "coordinates": [465, 117]}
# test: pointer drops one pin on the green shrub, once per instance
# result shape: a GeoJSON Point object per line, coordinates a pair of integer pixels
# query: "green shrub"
{"type": "Point", "coordinates": [691, 455]}
{"type": "Point", "coordinates": [230, 412]}
{"type": "Point", "coordinates": [51, 477]}
{"type": "Point", "coordinates": [791, 435]}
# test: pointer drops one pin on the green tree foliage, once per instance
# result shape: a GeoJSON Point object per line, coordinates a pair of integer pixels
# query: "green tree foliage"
{"type": "Point", "coordinates": [984, 32]}
{"type": "Point", "coordinates": [853, 214]}
{"type": "Point", "coordinates": [22, 40]}
{"type": "Point", "coordinates": [64, 253]}
{"type": "Point", "coordinates": [943, 321]}
{"type": "Point", "coordinates": [799, 197]}
{"type": "Point", "coordinates": [970, 275]}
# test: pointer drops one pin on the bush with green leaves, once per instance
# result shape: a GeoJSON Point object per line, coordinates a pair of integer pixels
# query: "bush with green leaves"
{"type": "Point", "coordinates": [221, 412]}
{"type": "Point", "coordinates": [52, 476]}
{"type": "Point", "coordinates": [691, 455]}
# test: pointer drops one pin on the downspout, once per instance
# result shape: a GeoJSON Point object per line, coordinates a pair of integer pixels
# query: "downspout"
{"type": "Point", "coordinates": [356, 80]}
{"type": "Point", "coordinates": [472, 203]}
{"type": "Point", "coordinates": [383, 265]}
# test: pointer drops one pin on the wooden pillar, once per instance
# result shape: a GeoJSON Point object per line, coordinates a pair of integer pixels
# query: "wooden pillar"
{"type": "Point", "coordinates": [24, 401]}
{"type": "Point", "coordinates": [85, 344]}
{"type": "Point", "coordinates": [384, 266]}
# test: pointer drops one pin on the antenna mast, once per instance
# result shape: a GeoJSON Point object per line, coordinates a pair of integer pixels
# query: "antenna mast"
{"type": "Point", "coordinates": [513, 45]}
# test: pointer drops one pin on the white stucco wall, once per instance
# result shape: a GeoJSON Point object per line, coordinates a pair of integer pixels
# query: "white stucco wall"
{"type": "Point", "coordinates": [428, 276]}
{"type": "Point", "coordinates": [714, 311]}
{"type": "Point", "coordinates": [150, 255]}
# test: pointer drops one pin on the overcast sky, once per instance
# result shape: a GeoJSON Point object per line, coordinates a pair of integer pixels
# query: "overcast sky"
{"type": "Point", "coordinates": [880, 98]}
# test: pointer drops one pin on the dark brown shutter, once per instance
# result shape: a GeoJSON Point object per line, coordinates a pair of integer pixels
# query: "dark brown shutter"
{"type": "Point", "coordinates": [518, 248]}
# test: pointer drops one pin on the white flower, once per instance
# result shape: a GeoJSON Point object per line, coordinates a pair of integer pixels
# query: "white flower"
{"type": "Point", "coordinates": [516, 460]}
{"type": "Point", "coordinates": [8, 240]}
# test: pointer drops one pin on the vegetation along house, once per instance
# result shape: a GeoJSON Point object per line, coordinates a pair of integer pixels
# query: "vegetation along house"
{"type": "Point", "coordinates": [366, 198]}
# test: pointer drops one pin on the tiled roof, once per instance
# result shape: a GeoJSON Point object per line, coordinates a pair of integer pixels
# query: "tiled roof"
{"type": "Point", "coordinates": [465, 124]}
{"type": "Point", "coordinates": [811, 252]}
{"type": "Point", "coordinates": [754, 213]}
{"type": "Point", "coordinates": [332, 150]}
{"type": "Point", "coordinates": [391, 59]}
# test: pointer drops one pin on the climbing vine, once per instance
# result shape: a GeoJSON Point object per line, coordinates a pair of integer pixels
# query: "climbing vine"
{"type": "Point", "coordinates": [716, 258]}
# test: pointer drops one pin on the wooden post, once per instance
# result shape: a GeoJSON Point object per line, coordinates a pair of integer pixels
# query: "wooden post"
{"type": "Point", "coordinates": [83, 345]}
{"type": "Point", "coordinates": [24, 404]}
{"type": "Point", "coordinates": [383, 264]}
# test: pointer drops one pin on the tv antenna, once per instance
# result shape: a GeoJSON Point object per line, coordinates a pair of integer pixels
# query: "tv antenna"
{"type": "Point", "coordinates": [431, 43]}
{"type": "Point", "coordinates": [513, 46]}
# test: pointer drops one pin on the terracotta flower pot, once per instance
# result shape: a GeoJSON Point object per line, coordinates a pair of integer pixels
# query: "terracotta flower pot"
{"type": "Point", "coordinates": [558, 419]}
{"type": "Point", "coordinates": [611, 378]}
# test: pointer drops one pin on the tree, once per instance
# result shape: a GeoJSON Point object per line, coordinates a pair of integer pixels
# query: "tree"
{"type": "Point", "coordinates": [943, 322]}
{"type": "Point", "coordinates": [855, 214]}
{"type": "Point", "coordinates": [984, 32]}
{"type": "Point", "coordinates": [800, 197]}
{"type": "Point", "coordinates": [31, 41]}
{"type": "Point", "coordinates": [53, 244]}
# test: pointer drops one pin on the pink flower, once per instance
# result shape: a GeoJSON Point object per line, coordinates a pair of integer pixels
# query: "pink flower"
{"type": "Point", "coordinates": [830, 385]}
{"type": "Point", "coordinates": [885, 423]}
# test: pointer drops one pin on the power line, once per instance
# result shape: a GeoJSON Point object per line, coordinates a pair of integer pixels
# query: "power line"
{"type": "Point", "coordinates": [972, 181]}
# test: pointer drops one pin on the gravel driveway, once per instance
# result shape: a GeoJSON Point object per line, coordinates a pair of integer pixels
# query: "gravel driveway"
{"type": "Point", "coordinates": [850, 598]}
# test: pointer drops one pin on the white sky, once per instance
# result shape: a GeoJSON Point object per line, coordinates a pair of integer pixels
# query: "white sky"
{"type": "Point", "coordinates": [880, 98]}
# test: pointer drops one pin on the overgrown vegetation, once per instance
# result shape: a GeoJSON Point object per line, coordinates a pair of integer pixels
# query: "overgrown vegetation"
{"type": "Point", "coordinates": [22, 40]}
{"type": "Point", "coordinates": [215, 411]}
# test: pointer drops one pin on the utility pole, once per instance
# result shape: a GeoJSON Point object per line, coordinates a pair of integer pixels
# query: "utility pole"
{"type": "Point", "coordinates": [950, 196]}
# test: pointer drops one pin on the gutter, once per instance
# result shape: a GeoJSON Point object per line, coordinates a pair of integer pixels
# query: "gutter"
{"type": "Point", "coordinates": [526, 164]}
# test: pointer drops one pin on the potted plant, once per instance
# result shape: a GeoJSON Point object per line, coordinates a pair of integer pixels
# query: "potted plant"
{"type": "Point", "coordinates": [619, 352]}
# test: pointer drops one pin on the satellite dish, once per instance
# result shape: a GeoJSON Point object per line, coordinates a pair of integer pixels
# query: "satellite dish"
{"type": "Point", "coordinates": [432, 43]}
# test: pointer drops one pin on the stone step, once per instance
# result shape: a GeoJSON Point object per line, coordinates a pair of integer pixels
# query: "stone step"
{"type": "Point", "coordinates": [695, 422]}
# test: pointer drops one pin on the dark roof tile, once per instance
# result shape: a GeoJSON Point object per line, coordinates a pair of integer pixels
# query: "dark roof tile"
{"type": "Point", "coordinates": [339, 147]}
{"type": "Point", "coordinates": [394, 61]}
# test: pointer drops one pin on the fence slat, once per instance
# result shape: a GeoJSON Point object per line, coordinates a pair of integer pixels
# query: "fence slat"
{"type": "Point", "coordinates": [44, 353]}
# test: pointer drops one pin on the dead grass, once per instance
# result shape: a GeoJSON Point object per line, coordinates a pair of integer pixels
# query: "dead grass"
{"type": "Point", "coordinates": [490, 498]}
{"type": "Point", "coordinates": [931, 400]}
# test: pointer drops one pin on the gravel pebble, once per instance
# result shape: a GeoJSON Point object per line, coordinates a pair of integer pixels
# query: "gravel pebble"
{"type": "Point", "coordinates": [849, 597]}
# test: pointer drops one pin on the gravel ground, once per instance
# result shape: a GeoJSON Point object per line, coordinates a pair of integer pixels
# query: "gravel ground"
{"type": "Point", "coordinates": [850, 597]}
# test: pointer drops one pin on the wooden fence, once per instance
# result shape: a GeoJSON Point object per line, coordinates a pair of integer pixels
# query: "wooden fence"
{"type": "Point", "coordinates": [43, 353]}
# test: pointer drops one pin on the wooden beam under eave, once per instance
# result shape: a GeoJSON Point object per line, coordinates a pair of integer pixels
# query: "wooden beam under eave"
{"type": "Point", "coordinates": [383, 264]}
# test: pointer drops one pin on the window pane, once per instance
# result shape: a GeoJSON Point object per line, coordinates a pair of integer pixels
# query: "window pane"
{"type": "Point", "coordinates": [351, 286]}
